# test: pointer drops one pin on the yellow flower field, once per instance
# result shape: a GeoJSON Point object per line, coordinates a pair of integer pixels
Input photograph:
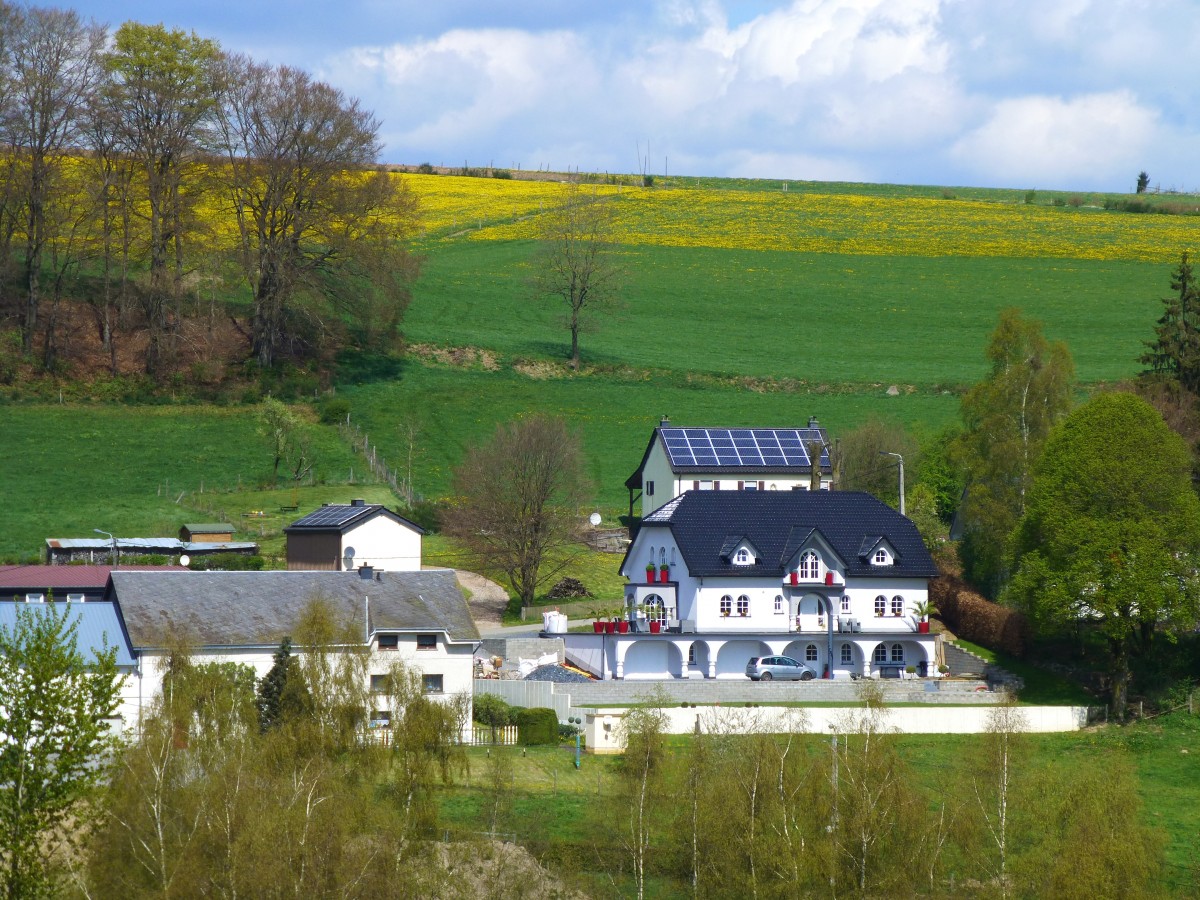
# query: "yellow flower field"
{"type": "Point", "coordinates": [500, 209]}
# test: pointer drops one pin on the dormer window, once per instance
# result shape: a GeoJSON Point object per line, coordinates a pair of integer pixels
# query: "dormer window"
{"type": "Point", "coordinates": [881, 557]}
{"type": "Point", "coordinates": [810, 565]}
{"type": "Point", "coordinates": [742, 557]}
{"type": "Point", "coordinates": [35, 598]}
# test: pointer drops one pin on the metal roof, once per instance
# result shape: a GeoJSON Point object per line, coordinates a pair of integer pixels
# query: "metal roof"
{"type": "Point", "coordinates": [97, 625]}
{"type": "Point", "coordinates": [147, 545]}
{"type": "Point", "coordinates": [210, 528]}
{"type": "Point", "coordinates": [53, 577]}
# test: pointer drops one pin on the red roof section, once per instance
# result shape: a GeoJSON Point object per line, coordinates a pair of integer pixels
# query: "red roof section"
{"type": "Point", "coordinates": [69, 576]}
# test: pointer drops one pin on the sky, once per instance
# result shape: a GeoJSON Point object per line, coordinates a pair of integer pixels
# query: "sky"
{"type": "Point", "coordinates": [1076, 95]}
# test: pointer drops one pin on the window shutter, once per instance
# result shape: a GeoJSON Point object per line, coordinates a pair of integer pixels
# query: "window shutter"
{"type": "Point", "coordinates": [762, 485]}
{"type": "Point", "coordinates": [741, 484]}
{"type": "Point", "coordinates": [695, 485]}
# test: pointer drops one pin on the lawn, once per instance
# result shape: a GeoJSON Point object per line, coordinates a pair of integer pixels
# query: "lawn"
{"type": "Point", "coordinates": [817, 318]}
{"type": "Point", "coordinates": [142, 472]}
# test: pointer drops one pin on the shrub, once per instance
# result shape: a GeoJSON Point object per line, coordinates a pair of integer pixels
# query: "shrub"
{"type": "Point", "coordinates": [228, 562]}
{"type": "Point", "coordinates": [977, 620]}
{"type": "Point", "coordinates": [501, 173]}
{"type": "Point", "coordinates": [424, 513]}
{"type": "Point", "coordinates": [335, 411]}
{"type": "Point", "coordinates": [493, 711]}
{"type": "Point", "coordinates": [425, 169]}
{"type": "Point", "coordinates": [538, 725]}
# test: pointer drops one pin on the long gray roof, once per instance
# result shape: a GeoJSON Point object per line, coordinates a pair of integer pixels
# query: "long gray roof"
{"type": "Point", "coordinates": [252, 609]}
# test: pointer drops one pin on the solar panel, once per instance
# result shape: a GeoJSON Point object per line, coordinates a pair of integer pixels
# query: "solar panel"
{"type": "Point", "coordinates": [740, 446]}
{"type": "Point", "coordinates": [330, 516]}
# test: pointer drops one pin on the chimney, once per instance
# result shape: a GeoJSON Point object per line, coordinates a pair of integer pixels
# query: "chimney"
{"type": "Point", "coordinates": [366, 573]}
{"type": "Point", "coordinates": [812, 422]}
{"type": "Point", "coordinates": [664, 422]}
{"type": "Point", "coordinates": [358, 502]}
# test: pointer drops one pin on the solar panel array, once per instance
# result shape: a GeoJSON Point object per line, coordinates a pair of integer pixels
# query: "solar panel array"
{"type": "Point", "coordinates": [756, 447]}
{"type": "Point", "coordinates": [331, 516]}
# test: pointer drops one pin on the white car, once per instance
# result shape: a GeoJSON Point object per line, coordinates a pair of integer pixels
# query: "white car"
{"type": "Point", "coordinates": [767, 668]}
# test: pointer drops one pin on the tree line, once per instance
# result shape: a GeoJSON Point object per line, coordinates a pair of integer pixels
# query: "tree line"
{"type": "Point", "coordinates": [139, 164]}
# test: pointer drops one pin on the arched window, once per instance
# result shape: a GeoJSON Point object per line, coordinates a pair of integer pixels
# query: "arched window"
{"type": "Point", "coordinates": [897, 605]}
{"type": "Point", "coordinates": [810, 653]}
{"type": "Point", "coordinates": [881, 557]}
{"type": "Point", "coordinates": [653, 605]}
{"type": "Point", "coordinates": [743, 557]}
{"type": "Point", "coordinates": [662, 556]}
{"type": "Point", "coordinates": [898, 653]}
{"type": "Point", "coordinates": [845, 603]}
{"type": "Point", "coordinates": [847, 655]}
{"type": "Point", "coordinates": [880, 605]}
{"type": "Point", "coordinates": [880, 655]}
{"type": "Point", "coordinates": [779, 603]}
{"type": "Point", "coordinates": [743, 605]}
{"type": "Point", "coordinates": [726, 605]}
{"type": "Point", "coordinates": [810, 565]}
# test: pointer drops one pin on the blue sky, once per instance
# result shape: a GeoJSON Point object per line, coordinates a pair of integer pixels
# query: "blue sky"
{"type": "Point", "coordinates": [1049, 94]}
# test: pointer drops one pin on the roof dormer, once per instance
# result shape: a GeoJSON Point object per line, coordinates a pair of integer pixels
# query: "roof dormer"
{"type": "Point", "coordinates": [878, 551]}
{"type": "Point", "coordinates": [738, 551]}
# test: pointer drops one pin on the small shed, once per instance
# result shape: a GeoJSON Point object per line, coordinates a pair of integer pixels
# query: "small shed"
{"type": "Point", "coordinates": [212, 532]}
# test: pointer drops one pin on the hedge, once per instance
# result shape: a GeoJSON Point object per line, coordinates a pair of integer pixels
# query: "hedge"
{"type": "Point", "coordinates": [978, 620]}
{"type": "Point", "coordinates": [538, 725]}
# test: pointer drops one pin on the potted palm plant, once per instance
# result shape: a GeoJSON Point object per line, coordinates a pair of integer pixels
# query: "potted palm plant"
{"type": "Point", "coordinates": [923, 609]}
{"type": "Point", "coordinates": [597, 615]}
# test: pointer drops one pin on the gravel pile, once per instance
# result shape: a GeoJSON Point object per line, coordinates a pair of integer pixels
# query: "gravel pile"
{"type": "Point", "coordinates": [557, 674]}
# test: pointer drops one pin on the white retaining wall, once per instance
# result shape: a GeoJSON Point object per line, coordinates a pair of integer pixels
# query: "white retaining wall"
{"type": "Point", "coordinates": [602, 727]}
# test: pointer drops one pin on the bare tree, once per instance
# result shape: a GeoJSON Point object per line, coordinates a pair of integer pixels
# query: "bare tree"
{"type": "Point", "coordinates": [518, 502]}
{"type": "Point", "coordinates": [159, 99]}
{"type": "Point", "coordinates": [313, 229]}
{"type": "Point", "coordinates": [54, 68]}
{"type": "Point", "coordinates": [574, 262]}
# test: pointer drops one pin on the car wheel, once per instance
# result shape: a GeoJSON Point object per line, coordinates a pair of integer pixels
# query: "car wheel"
{"type": "Point", "coordinates": [806, 676]}
{"type": "Point", "coordinates": [767, 676]}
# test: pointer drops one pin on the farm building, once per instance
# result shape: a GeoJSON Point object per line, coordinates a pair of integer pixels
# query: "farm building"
{"type": "Point", "coordinates": [343, 537]}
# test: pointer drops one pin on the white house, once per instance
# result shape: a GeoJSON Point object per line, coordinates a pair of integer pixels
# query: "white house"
{"type": "Point", "coordinates": [832, 578]}
{"type": "Point", "coordinates": [743, 459]}
{"type": "Point", "coordinates": [347, 536]}
{"type": "Point", "coordinates": [418, 618]}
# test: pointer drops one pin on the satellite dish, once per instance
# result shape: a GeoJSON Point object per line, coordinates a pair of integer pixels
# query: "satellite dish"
{"type": "Point", "coordinates": [185, 560]}
{"type": "Point", "coordinates": [594, 518]}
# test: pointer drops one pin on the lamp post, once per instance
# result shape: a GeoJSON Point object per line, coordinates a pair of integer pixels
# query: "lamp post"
{"type": "Point", "coordinates": [901, 458]}
{"type": "Point", "coordinates": [113, 552]}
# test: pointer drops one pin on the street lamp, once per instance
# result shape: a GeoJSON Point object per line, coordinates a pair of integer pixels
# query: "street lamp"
{"type": "Point", "coordinates": [901, 458]}
{"type": "Point", "coordinates": [112, 553]}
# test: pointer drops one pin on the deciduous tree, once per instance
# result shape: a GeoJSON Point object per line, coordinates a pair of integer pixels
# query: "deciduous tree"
{"type": "Point", "coordinates": [1111, 535]}
{"type": "Point", "coordinates": [319, 236]}
{"type": "Point", "coordinates": [517, 502]}
{"type": "Point", "coordinates": [1007, 417]}
{"type": "Point", "coordinates": [54, 741]}
{"type": "Point", "coordinates": [574, 262]}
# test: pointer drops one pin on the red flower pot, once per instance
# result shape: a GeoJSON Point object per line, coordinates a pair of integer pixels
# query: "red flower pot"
{"type": "Point", "coordinates": [610, 627]}
{"type": "Point", "coordinates": [655, 626]}
{"type": "Point", "coordinates": [923, 628]}
{"type": "Point", "coordinates": [664, 575]}
{"type": "Point", "coordinates": [829, 578]}
{"type": "Point", "coordinates": [795, 577]}
{"type": "Point", "coordinates": [649, 576]}
{"type": "Point", "coordinates": [598, 627]}
{"type": "Point", "coordinates": [623, 626]}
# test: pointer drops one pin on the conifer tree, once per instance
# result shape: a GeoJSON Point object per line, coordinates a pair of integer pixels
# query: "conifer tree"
{"type": "Point", "coordinates": [1175, 350]}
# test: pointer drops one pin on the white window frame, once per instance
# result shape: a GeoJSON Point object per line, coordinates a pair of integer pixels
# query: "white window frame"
{"type": "Point", "coordinates": [880, 656]}
{"type": "Point", "coordinates": [880, 606]}
{"type": "Point", "coordinates": [743, 605]}
{"type": "Point", "coordinates": [881, 558]}
{"type": "Point", "coordinates": [897, 653]}
{"type": "Point", "coordinates": [847, 655]}
{"type": "Point", "coordinates": [810, 653]}
{"type": "Point", "coordinates": [897, 606]}
{"type": "Point", "coordinates": [810, 565]}
{"type": "Point", "coordinates": [726, 606]}
{"type": "Point", "coordinates": [845, 603]}
{"type": "Point", "coordinates": [779, 610]}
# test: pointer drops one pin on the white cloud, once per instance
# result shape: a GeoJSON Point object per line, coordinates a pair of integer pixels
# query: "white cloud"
{"type": "Point", "coordinates": [1056, 142]}
{"type": "Point", "coordinates": [794, 167]}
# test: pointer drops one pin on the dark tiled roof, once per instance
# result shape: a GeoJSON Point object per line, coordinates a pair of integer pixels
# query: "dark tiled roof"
{"type": "Point", "coordinates": [341, 516]}
{"type": "Point", "coordinates": [778, 523]}
{"type": "Point", "coordinates": [260, 608]}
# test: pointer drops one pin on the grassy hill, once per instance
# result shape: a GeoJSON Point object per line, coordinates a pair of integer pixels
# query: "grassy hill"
{"type": "Point", "coordinates": [745, 303]}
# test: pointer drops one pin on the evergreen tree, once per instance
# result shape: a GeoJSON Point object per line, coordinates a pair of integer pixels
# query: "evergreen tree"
{"type": "Point", "coordinates": [274, 686]}
{"type": "Point", "coordinates": [1175, 350]}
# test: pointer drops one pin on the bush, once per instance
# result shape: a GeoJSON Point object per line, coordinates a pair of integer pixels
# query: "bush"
{"type": "Point", "coordinates": [425, 169]}
{"type": "Point", "coordinates": [567, 731]}
{"type": "Point", "coordinates": [493, 711]}
{"type": "Point", "coordinates": [424, 513]}
{"type": "Point", "coordinates": [538, 725]}
{"type": "Point", "coordinates": [228, 562]}
{"type": "Point", "coordinates": [977, 620]}
{"type": "Point", "coordinates": [334, 412]}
